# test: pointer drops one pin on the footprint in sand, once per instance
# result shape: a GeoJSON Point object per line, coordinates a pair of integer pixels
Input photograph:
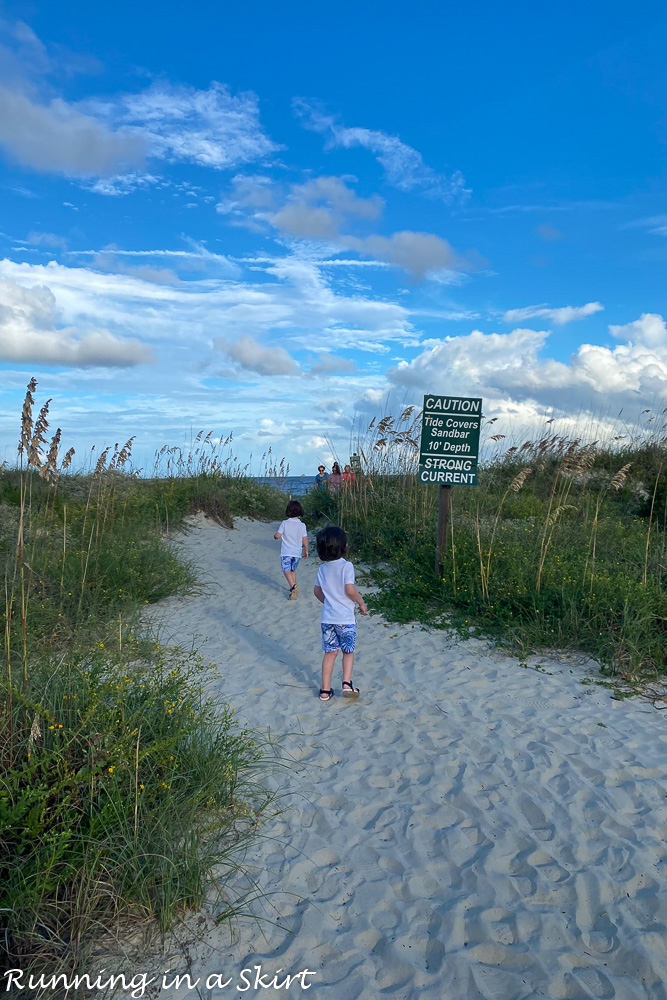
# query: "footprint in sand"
{"type": "Point", "coordinates": [548, 866]}
{"type": "Point", "coordinates": [394, 974]}
{"type": "Point", "coordinates": [601, 938]}
{"type": "Point", "coordinates": [386, 917]}
{"type": "Point", "coordinates": [536, 819]}
{"type": "Point", "coordinates": [595, 982]}
{"type": "Point", "coordinates": [500, 925]}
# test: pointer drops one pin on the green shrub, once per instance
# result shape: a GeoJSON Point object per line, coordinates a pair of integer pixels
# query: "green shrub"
{"type": "Point", "coordinates": [125, 792]}
{"type": "Point", "coordinates": [561, 546]}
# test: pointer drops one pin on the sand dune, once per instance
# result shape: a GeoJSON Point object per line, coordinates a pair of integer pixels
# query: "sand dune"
{"type": "Point", "coordinates": [468, 828]}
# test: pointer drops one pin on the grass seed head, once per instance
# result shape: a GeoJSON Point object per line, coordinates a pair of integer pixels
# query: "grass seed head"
{"type": "Point", "coordinates": [26, 417]}
{"type": "Point", "coordinates": [620, 477]}
{"type": "Point", "coordinates": [100, 467]}
{"type": "Point", "coordinates": [520, 479]}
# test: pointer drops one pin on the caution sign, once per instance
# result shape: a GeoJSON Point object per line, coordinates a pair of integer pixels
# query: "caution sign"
{"type": "Point", "coordinates": [449, 448]}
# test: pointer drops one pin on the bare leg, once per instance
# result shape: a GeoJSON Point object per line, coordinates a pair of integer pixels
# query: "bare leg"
{"type": "Point", "coordinates": [348, 665]}
{"type": "Point", "coordinates": [290, 576]}
{"type": "Point", "coordinates": [328, 661]}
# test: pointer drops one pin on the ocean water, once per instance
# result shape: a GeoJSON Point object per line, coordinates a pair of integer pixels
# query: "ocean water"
{"type": "Point", "coordinates": [294, 486]}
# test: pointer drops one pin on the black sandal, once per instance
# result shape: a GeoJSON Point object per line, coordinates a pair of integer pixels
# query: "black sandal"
{"type": "Point", "coordinates": [328, 695]}
{"type": "Point", "coordinates": [353, 692]}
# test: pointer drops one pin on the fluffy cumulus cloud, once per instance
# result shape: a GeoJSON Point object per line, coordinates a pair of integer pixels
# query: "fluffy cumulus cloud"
{"type": "Point", "coordinates": [474, 358]}
{"type": "Point", "coordinates": [251, 356]}
{"type": "Point", "coordinates": [403, 166]}
{"type": "Point", "coordinates": [649, 330]}
{"type": "Point", "coordinates": [508, 368]}
{"type": "Point", "coordinates": [30, 333]}
{"type": "Point", "coordinates": [558, 316]}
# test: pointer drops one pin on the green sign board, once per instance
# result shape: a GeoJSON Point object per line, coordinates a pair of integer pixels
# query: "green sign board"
{"type": "Point", "coordinates": [449, 446]}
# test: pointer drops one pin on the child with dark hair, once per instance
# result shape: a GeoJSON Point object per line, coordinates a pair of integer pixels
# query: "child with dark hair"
{"type": "Point", "coordinates": [294, 544]}
{"type": "Point", "coordinates": [335, 589]}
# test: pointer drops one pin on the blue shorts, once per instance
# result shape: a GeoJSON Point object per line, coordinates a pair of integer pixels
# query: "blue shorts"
{"type": "Point", "coordinates": [339, 637]}
{"type": "Point", "coordinates": [289, 563]}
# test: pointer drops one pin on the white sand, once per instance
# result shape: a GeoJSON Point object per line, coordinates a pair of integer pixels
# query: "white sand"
{"type": "Point", "coordinates": [467, 828]}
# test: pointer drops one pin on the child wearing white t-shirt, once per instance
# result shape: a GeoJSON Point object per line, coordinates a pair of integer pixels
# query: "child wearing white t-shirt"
{"type": "Point", "coordinates": [335, 589]}
{"type": "Point", "coordinates": [294, 543]}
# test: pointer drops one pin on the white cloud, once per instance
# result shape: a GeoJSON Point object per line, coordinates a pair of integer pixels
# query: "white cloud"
{"type": "Point", "coordinates": [123, 184]}
{"type": "Point", "coordinates": [291, 298]}
{"type": "Point", "coordinates": [252, 356]}
{"type": "Point", "coordinates": [60, 138]}
{"type": "Point", "coordinates": [649, 330]}
{"type": "Point", "coordinates": [198, 258]}
{"type": "Point", "coordinates": [471, 359]}
{"type": "Point", "coordinates": [404, 166]}
{"type": "Point", "coordinates": [559, 316]}
{"type": "Point", "coordinates": [323, 207]}
{"type": "Point", "coordinates": [211, 128]}
{"type": "Point", "coordinates": [29, 332]}
{"type": "Point", "coordinates": [287, 303]}
{"type": "Point", "coordinates": [508, 369]}
{"type": "Point", "coordinates": [112, 137]}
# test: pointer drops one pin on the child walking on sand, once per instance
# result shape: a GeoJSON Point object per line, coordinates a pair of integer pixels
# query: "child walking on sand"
{"type": "Point", "coordinates": [294, 543]}
{"type": "Point", "coordinates": [335, 589]}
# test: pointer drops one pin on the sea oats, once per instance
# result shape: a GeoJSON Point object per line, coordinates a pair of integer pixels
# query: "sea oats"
{"type": "Point", "coordinates": [26, 417]}
{"type": "Point", "coordinates": [620, 477]}
{"type": "Point", "coordinates": [520, 479]}
{"type": "Point", "coordinates": [38, 439]}
{"type": "Point", "coordinates": [553, 517]}
{"type": "Point", "coordinates": [101, 462]}
{"type": "Point", "coordinates": [50, 467]}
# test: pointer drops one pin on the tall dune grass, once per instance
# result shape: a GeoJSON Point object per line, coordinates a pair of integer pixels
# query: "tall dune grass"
{"type": "Point", "coordinates": [126, 792]}
{"type": "Point", "coordinates": [562, 544]}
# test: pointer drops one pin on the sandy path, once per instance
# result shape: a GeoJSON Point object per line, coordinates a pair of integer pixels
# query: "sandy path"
{"type": "Point", "coordinates": [467, 828]}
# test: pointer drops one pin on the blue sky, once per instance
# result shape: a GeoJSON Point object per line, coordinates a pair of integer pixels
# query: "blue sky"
{"type": "Point", "coordinates": [277, 220]}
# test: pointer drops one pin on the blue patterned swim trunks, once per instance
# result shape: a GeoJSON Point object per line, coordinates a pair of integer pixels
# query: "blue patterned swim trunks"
{"type": "Point", "coordinates": [289, 563]}
{"type": "Point", "coordinates": [339, 637]}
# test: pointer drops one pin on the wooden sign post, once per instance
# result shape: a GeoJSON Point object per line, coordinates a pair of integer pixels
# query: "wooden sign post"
{"type": "Point", "coordinates": [444, 520]}
{"type": "Point", "coordinates": [448, 454]}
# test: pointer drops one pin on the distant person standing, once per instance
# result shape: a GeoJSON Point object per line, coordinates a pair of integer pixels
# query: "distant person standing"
{"type": "Point", "coordinates": [294, 544]}
{"type": "Point", "coordinates": [335, 589]}
{"type": "Point", "coordinates": [335, 478]}
{"type": "Point", "coordinates": [321, 478]}
{"type": "Point", "coordinates": [348, 475]}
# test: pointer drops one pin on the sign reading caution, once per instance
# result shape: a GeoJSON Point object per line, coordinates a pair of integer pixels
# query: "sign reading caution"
{"type": "Point", "coordinates": [449, 447]}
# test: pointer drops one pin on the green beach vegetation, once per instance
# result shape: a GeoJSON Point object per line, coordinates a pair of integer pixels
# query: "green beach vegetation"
{"type": "Point", "coordinates": [127, 791]}
{"type": "Point", "coordinates": [562, 545]}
